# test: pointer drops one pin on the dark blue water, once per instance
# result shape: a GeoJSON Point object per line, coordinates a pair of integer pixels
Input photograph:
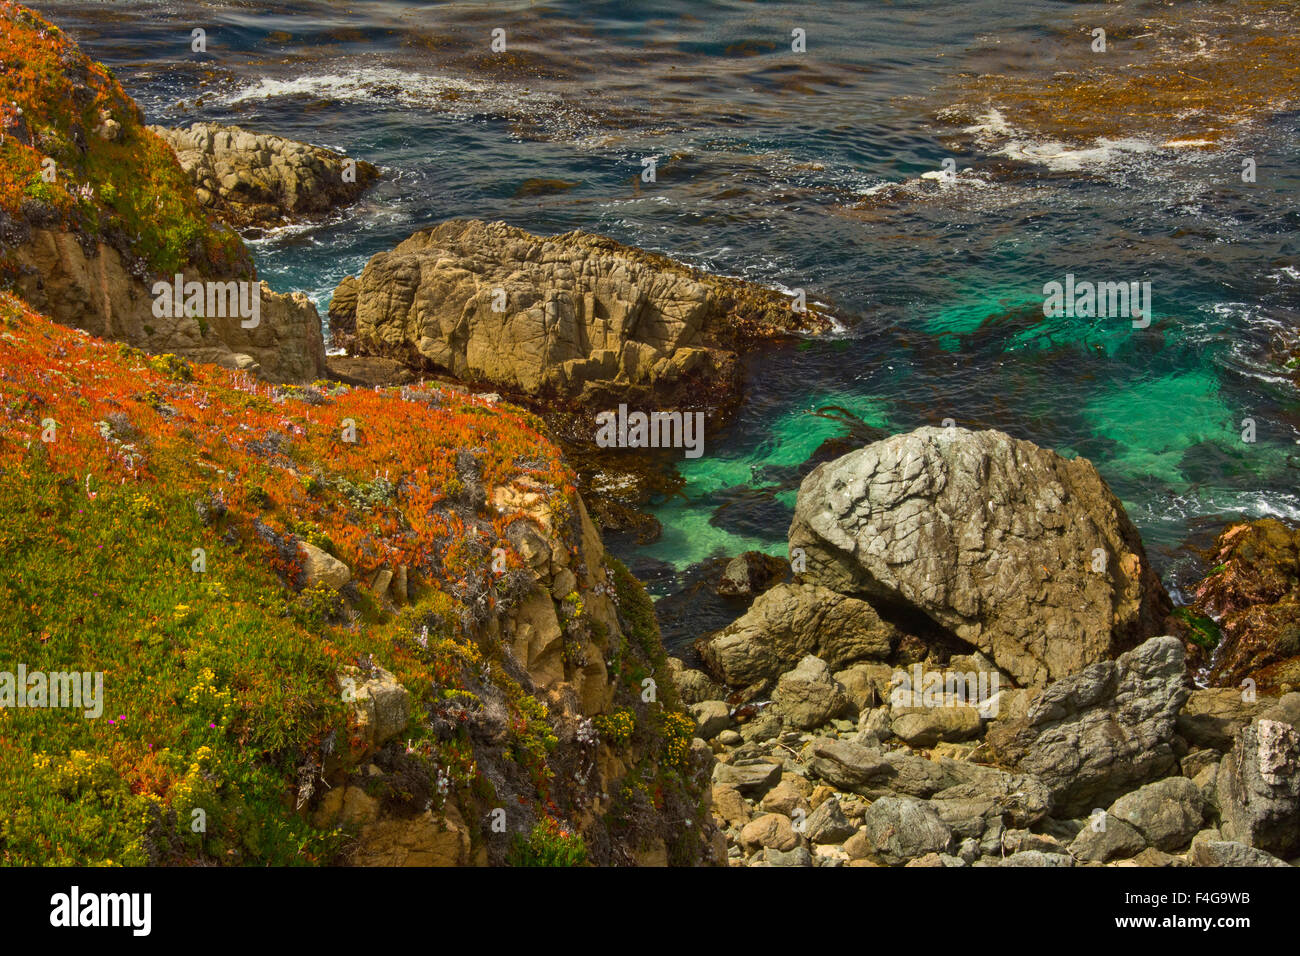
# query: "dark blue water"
{"type": "Point", "coordinates": [771, 165]}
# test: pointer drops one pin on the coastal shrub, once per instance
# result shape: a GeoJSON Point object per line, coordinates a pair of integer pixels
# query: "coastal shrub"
{"type": "Point", "coordinates": [637, 617]}
{"type": "Point", "coordinates": [113, 178]}
{"type": "Point", "coordinates": [677, 730]}
{"type": "Point", "coordinates": [99, 549]}
{"type": "Point", "coordinates": [616, 729]}
{"type": "Point", "coordinates": [548, 843]}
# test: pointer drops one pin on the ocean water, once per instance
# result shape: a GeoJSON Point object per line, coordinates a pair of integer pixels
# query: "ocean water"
{"type": "Point", "coordinates": [785, 168]}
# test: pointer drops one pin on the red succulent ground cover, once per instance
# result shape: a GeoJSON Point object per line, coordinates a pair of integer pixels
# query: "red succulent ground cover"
{"type": "Point", "coordinates": [220, 684]}
{"type": "Point", "coordinates": [274, 454]}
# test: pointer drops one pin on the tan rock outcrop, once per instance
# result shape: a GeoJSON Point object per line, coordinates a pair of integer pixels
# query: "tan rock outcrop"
{"type": "Point", "coordinates": [98, 292]}
{"type": "Point", "coordinates": [248, 178]}
{"type": "Point", "coordinates": [576, 315]}
{"type": "Point", "coordinates": [561, 648]}
{"type": "Point", "coordinates": [380, 705]}
{"type": "Point", "coordinates": [425, 840]}
{"type": "Point", "coordinates": [790, 621]}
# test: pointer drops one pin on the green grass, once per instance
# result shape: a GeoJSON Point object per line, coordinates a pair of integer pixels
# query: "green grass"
{"type": "Point", "coordinates": [96, 586]}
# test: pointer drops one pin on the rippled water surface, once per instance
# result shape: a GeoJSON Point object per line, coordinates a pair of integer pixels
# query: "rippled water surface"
{"type": "Point", "coordinates": [777, 166]}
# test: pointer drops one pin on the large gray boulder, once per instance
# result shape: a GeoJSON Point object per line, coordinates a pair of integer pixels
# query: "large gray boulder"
{"type": "Point", "coordinates": [1100, 733]}
{"type": "Point", "coordinates": [1167, 813]}
{"type": "Point", "coordinates": [992, 797]}
{"type": "Point", "coordinates": [789, 622]}
{"type": "Point", "coordinates": [1230, 853]}
{"type": "Point", "coordinates": [903, 828]}
{"type": "Point", "coordinates": [926, 726]}
{"type": "Point", "coordinates": [1016, 550]}
{"type": "Point", "coordinates": [1105, 839]}
{"type": "Point", "coordinates": [1258, 783]}
{"type": "Point", "coordinates": [751, 779]}
{"type": "Point", "coordinates": [844, 764]}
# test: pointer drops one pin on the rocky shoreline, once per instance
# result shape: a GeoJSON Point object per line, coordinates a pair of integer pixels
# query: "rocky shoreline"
{"type": "Point", "coordinates": [844, 738]}
{"type": "Point", "coordinates": [826, 724]}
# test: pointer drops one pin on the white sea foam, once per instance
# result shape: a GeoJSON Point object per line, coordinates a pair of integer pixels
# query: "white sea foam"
{"type": "Point", "coordinates": [389, 87]}
{"type": "Point", "coordinates": [992, 131]}
{"type": "Point", "coordinates": [1061, 157]}
{"type": "Point", "coordinates": [1249, 504]}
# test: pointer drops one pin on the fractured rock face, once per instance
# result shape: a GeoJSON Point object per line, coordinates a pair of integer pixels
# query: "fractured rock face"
{"type": "Point", "coordinates": [250, 178]}
{"type": "Point", "coordinates": [1097, 734]}
{"type": "Point", "coordinates": [1014, 549]}
{"type": "Point", "coordinates": [1258, 783]}
{"type": "Point", "coordinates": [790, 621]}
{"type": "Point", "coordinates": [577, 315]}
{"type": "Point", "coordinates": [98, 292]}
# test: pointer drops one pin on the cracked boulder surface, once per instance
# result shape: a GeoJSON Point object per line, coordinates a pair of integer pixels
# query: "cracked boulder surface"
{"type": "Point", "coordinates": [1015, 550]}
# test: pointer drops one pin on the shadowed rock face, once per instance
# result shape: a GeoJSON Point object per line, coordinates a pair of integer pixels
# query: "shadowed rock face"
{"type": "Point", "coordinates": [576, 316]}
{"type": "Point", "coordinates": [98, 292]}
{"type": "Point", "coordinates": [257, 179]}
{"type": "Point", "coordinates": [1253, 591]}
{"type": "Point", "coordinates": [1016, 550]}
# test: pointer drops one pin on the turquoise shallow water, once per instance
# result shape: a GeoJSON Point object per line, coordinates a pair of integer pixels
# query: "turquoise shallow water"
{"type": "Point", "coordinates": [763, 155]}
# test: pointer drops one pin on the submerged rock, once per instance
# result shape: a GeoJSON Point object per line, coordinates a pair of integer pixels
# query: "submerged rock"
{"type": "Point", "coordinates": [751, 573]}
